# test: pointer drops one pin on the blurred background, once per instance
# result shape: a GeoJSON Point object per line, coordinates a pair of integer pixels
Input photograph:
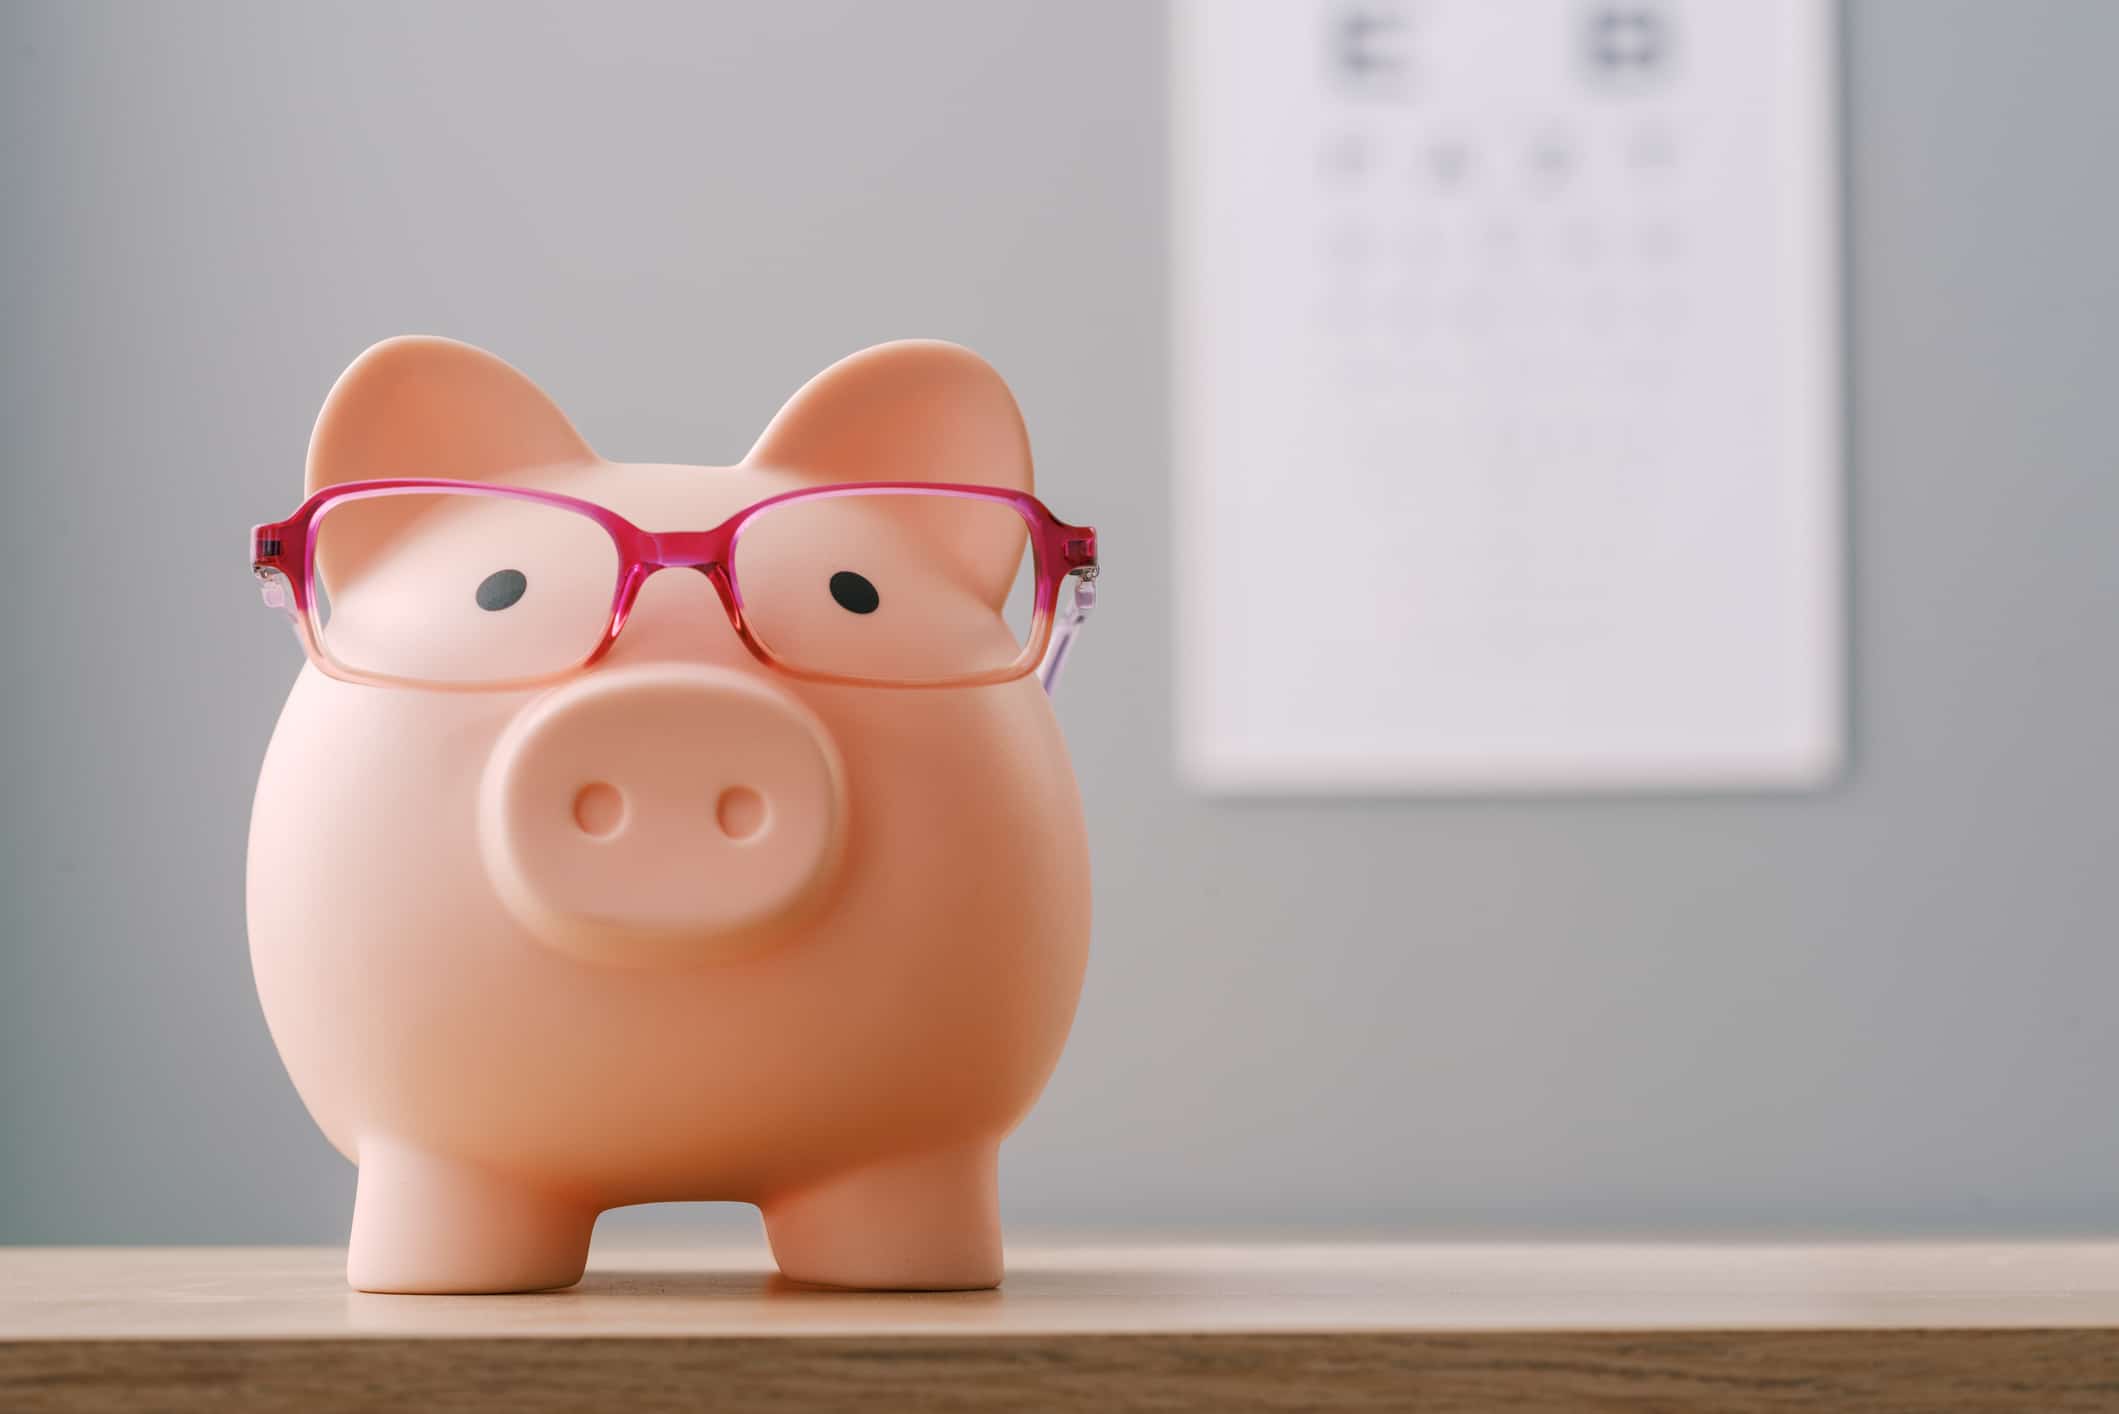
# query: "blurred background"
{"type": "Point", "coordinates": [1875, 1006]}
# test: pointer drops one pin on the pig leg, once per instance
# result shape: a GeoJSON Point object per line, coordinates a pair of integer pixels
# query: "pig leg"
{"type": "Point", "coordinates": [925, 1222]}
{"type": "Point", "coordinates": [422, 1222]}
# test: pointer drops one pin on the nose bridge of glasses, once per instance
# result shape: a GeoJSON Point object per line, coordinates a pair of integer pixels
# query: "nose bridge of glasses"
{"type": "Point", "coordinates": [689, 549]}
{"type": "Point", "coordinates": [679, 551]}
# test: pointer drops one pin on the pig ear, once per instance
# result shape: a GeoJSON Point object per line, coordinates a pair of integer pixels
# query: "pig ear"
{"type": "Point", "coordinates": [920, 410]}
{"type": "Point", "coordinates": [422, 406]}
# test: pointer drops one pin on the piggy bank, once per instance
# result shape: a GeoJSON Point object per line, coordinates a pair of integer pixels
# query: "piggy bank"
{"type": "Point", "coordinates": [575, 883]}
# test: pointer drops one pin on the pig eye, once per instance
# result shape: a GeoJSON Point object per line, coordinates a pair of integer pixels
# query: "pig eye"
{"type": "Point", "coordinates": [501, 588]}
{"type": "Point", "coordinates": [854, 593]}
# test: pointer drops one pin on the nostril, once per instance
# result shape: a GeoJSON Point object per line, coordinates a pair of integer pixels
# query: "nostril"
{"type": "Point", "coordinates": [740, 812]}
{"type": "Point", "coordinates": [599, 809]}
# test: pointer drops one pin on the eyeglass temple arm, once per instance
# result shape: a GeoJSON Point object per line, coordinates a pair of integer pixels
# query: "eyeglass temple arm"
{"type": "Point", "coordinates": [268, 556]}
{"type": "Point", "coordinates": [1070, 622]}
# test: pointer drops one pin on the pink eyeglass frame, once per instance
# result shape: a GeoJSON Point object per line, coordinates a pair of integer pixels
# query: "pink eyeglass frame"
{"type": "Point", "coordinates": [285, 551]}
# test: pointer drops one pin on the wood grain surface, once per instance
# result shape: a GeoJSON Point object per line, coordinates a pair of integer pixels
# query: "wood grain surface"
{"type": "Point", "coordinates": [1434, 1327]}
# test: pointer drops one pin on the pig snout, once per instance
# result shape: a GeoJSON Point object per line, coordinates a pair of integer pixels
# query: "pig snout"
{"type": "Point", "coordinates": [663, 815]}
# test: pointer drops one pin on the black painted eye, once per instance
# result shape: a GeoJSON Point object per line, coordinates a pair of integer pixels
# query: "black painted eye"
{"type": "Point", "coordinates": [501, 588]}
{"type": "Point", "coordinates": [854, 593]}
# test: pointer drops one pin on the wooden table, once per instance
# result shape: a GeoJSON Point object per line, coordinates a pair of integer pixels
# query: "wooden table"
{"type": "Point", "coordinates": [1923, 1327]}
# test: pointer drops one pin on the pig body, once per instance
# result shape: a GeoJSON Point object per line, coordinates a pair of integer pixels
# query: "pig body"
{"type": "Point", "coordinates": [678, 927]}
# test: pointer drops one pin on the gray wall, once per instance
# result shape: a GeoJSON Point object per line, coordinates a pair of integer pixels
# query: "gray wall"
{"type": "Point", "coordinates": [1887, 1007]}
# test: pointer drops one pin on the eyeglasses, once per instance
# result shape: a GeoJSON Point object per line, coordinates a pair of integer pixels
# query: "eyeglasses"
{"type": "Point", "coordinates": [468, 586]}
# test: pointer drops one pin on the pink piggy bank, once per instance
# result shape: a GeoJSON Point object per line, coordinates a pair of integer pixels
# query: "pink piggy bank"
{"type": "Point", "coordinates": [575, 884]}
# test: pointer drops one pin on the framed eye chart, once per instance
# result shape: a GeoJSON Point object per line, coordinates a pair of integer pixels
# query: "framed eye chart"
{"type": "Point", "coordinates": [1508, 395]}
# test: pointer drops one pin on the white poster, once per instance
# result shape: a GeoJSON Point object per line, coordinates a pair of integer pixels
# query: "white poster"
{"type": "Point", "coordinates": [1508, 395]}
